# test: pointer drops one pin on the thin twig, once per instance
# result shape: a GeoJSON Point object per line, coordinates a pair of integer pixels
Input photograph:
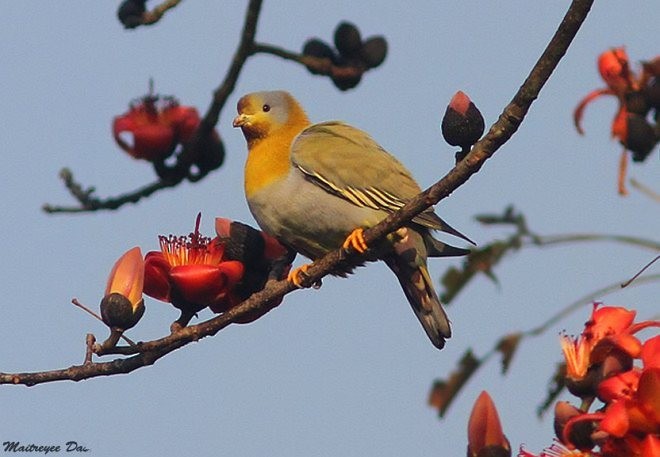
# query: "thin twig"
{"type": "Point", "coordinates": [589, 298]}
{"type": "Point", "coordinates": [646, 190]}
{"type": "Point", "coordinates": [499, 133]}
{"type": "Point", "coordinates": [628, 282]}
{"type": "Point", "coordinates": [547, 240]}
{"type": "Point", "coordinates": [323, 66]}
{"type": "Point", "coordinates": [88, 203]}
{"type": "Point", "coordinates": [155, 15]}
{"type": "Point", "coordinates": [88, 310]}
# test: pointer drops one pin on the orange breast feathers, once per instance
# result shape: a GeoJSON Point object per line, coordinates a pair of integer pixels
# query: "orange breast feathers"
{"type": "Point", "coordinates": [269, 158]}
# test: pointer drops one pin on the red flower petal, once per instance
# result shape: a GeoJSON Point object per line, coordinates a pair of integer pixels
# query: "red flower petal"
{"type": "Point", "coordinates": [651, 446]}
{"type": "Point", "coordinates": [616, 421]}
{"type": "Point", "coordinates": [620, 125]}
{"type": "Point", "coordinates": [614, 69]}
{"type": "Point", "coordinates": [183, 119]}
{"type": "Point", "coordinates": [127, 276]}
{"type": "Point", "coordinates": [272, 248]}
{"type": "Point", "coordinates": [156, 276]}
{"type": "Point", "coordinates": [206, 284]}
{"type": "Point", "coordinates": [222, 227]}
{"type": "Point", "coordinates": [607, 321]}
{"type": "Point", "coordinates": [152, 142]}
{"type": "Point", "coordinates": [484, 428]}
{"type": "Point", "coordinates": [579, 110]}
{"type": "Point", "coordinates": [628, 343]}
{"type": "Point", "coordinates": [460, 102]}
{"type": "Point", "coordinates": [648, 394]}
{"type": "Point", "coordinates": [623, 385]}
{"type": "Point", "coordinates": [651, 352]}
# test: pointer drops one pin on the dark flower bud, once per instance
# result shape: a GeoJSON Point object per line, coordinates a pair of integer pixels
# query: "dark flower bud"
{"type": "Point", "coordinates": [348, 40]}
{"type": "Point", "coordinates": [580, 432]}
{"type": "Point", "coordinates": [347, 73]}
{"type": "Point", "coordinates": [652, 94]}
{"type": "Point", "coordinates": [641, 137]}
{"type": "Point", "coordinates": [462, 124]}
{"type": "Point", "coordinates": [374, 51]}
{"type": "Point", "coordinates": [211, 153]}
{"type": "Point", "coordinates": [318, 48]}
{"type": "Point", "coordinates": [130, 13]}
{"type": "Point", "coordinates": [345, 83]}
{"type": "Point", "coordinates": [117, 311]}
{"type": "Point", "coordinates": [637, 102]}
{"type": "Point", "coordinates": [564, 411]}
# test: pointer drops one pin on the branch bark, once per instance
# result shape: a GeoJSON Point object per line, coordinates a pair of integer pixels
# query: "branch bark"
{"type": "Point", "coordinates": [507, 124]}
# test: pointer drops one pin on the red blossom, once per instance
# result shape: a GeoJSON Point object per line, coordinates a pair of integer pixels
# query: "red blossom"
{"type": "Point", "coordinates": [634, 93]}
{"type": "Point", "coordinates": [191, 271]}
{"type": "Point", "coordinates": [157, 124]}
{"type": "Point", "coordinates": [608, 333]}
{"type": "Point", "coordinates": [614, 68]}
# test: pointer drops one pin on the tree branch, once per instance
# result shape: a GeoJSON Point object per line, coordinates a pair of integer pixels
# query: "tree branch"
{"type": "Point", "coordinates": [499, 133]}
{"type": "Point", "coordinates": [155, 15]}
{"type": "Point", "coordinates": [323, 66]}
{"type": "Point", "coordinates": [89, 203]}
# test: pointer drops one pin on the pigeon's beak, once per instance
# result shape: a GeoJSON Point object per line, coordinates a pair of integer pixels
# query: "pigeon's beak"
{"type": "Point", "coordinates": [241, 120]}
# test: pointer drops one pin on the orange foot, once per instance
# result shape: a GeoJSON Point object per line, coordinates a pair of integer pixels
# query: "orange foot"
{"type": "Point", "coordinates": [356, 241]}
{"type": "Point", "coordinates": [294, 276]}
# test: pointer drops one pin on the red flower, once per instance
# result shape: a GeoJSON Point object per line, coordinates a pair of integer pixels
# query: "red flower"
{"type": "Point", "coordinates": [606, 348]}
{"type": "Point", "coordinates": [614, 69]}
{"type": "Point", "coordinates": [633, 92]}
{"type": "Point", "coordinates": [639, 415]}
{"type": "Point", "coordinates": [157, 124]}
{"type": "Point", "coordinates": [191, 272]}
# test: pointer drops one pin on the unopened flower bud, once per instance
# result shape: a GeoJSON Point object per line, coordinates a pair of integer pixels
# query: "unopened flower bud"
{"type": "Point", "coordinates": [641, 137]}
{"type": "Point", "coordinates": [462, 124]}
{"type": "Point", "coordinates": [130, 13]}
{"type": "Point", "coordinates": [485, 436]}
{"type": "Point", "coordinates": [374, 51]}
{"type": "Point", "coordinates": [318, 48]}
{"type": "Point", "coordinates": [118, 312]}
{"type": "Point", "coordinates": [347, 39]}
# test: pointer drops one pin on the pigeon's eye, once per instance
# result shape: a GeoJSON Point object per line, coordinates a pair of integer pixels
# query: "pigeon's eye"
{"type": "Point", "coordinates": [266, 108]}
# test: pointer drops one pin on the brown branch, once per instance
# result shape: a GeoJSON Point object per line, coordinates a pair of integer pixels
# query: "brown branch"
{"type": "Point", "coordinates": [155, 15]}
{"type": "Point", "coordinates": [88, 203]}
{"type": "Point", "coordinates": [323, 66]}
{"type": "Point", "coordinates": [243, 51]}
{"type": "Point", "coordinates": [498, 134]}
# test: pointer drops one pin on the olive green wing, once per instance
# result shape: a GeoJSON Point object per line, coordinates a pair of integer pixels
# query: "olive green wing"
{"type": "Point", "coordinates": [348, 163]}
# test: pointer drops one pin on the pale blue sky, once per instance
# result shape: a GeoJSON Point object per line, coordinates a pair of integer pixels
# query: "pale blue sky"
{"type": "Point", "coordinates": [341, 371]}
